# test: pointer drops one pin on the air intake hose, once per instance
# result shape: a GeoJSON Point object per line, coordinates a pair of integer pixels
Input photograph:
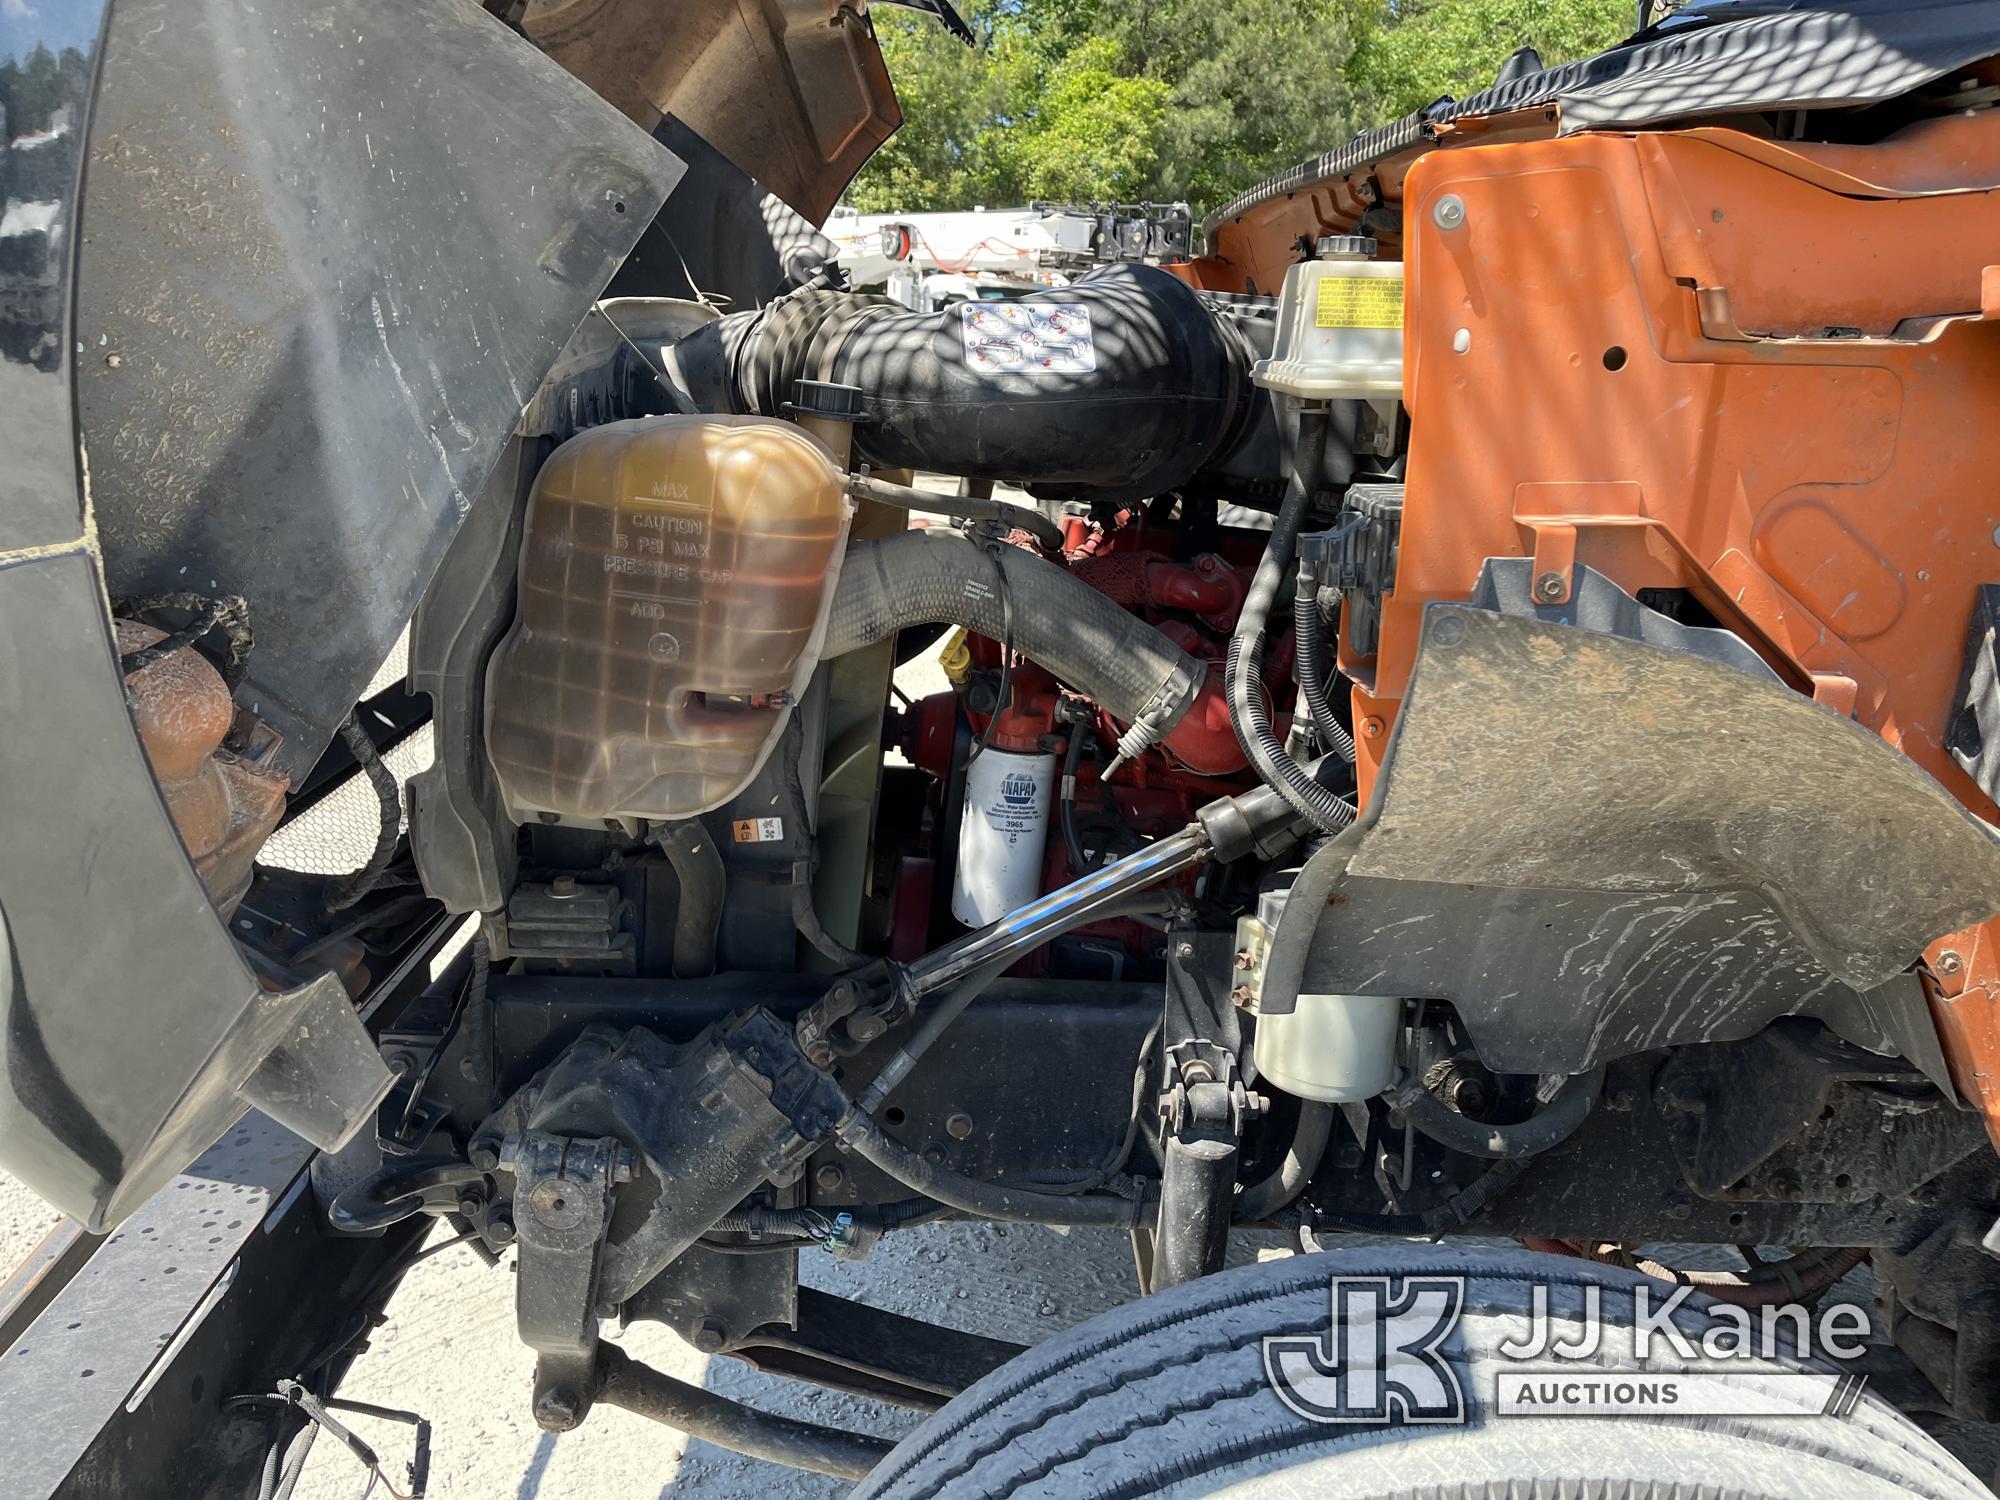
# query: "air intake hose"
{"type": "Point", "coordinates": [1052, 617]}
{"type": "Point", "coordinates": [1120, 386]}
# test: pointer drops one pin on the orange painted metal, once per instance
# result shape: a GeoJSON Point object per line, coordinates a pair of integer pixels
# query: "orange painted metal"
{"type": "Point", "coordinates": [1766, 373]}
{"type": "Point", "coordinates": [1251, 253]}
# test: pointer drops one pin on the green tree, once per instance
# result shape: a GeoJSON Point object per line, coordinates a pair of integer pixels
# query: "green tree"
{"type": "Point", "coordinates": [31, 90]}
{"type": "Point", "coordinates": [1413, 51]}
{"type": "Point", "coordinates": [1089, 134]}
{"type": "Point", "coordinates": [1257, 85]}
{"type": "Point", "coordinates": [955, 98]}
{"type": "Point", "coordinates": [1111, 100]}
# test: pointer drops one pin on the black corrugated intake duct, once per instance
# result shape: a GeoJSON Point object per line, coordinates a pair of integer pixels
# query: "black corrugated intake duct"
{"type": "Point", "coordinates": [1145, 386]}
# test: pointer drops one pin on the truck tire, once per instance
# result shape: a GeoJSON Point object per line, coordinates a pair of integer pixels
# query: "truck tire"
{"type": "Point", "coordinates": [1168, 1396]}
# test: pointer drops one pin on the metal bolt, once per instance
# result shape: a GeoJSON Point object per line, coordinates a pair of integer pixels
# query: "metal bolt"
{"type": "Point", "coordinates": [484, 1155]}
{"type": "Point", "coordinates": [1184, 952]}
{"type": "Point", "coordinates": [500, 1228]}
{"type": "Point", "coordinates": [1949, 962]}
{"type": "Point", "coordinates": [1550, 587]}
{"type": "Point", "coordinates": [710, 1335]}
{"type": "Point", "coordinates": [1241, 996]}
{"type": "Point", "coordinates": [1243, 959]}
{"type": "Point", "coordinates": [563, 885]}
{"type": "Point", "coordinates": [471, 1203]}
{"type": "Point", "coordinates": [958, 1126]}
{"type": "Point", "coordinates": [553, 1202]}
{"type": "Point", "coordinates": [1373, 727]}
{"type": "Point", "coordinates": [829, 1177]}
{"type": "Point", "coordinates": [934, 1155]}
{"type": "Point", "coordinates": [1680, 1206]}
{"type": "Point", "coordinates": [1450, 211]}
{"type": "Point", "coordinates": [557, 1409]}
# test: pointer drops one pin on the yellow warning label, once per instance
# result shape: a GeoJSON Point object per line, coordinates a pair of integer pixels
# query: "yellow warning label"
{"type": "Point", "coordinates": [1359, 302]}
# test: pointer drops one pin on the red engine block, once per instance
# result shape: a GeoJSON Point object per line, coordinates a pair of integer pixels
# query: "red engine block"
{"type": "Point", "coordinates": [1194, 603]}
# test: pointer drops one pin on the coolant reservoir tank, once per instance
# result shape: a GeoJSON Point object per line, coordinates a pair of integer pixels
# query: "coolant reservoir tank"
{"type": "Point", "coordinates": [674, 584]}
{"type": "Point", "coordinates": [1340, 326]}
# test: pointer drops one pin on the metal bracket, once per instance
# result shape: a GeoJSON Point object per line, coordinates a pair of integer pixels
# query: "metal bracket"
{"type": "Point", "coordinates": [1205, 1095]}
{"type": "Point", "coordinates": [562, 1208]}
{"type": "Point", "coordinates": [1203, 1110]}
{"type": "Point", "coordinates": [1790, 1116]}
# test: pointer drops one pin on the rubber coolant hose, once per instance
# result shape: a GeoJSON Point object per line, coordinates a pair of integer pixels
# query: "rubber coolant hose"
{"type": "Point", "coordinates": [928, 577]}
{"type": "Point", "coordinates": [985, 1200]}
{"type": "Point", "coordinates": [698, 871]}
{"type": "Point", "coordinates": [1243, 671]}
{"type": "Point", "coordinates": [1262, 1199]}
{"type": "Point", "coordinates": [1563, 1105]}
{"type": "Point", "coordinates": [1467, 1203]}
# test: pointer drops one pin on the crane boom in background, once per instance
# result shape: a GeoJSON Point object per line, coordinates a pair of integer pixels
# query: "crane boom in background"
{"type": "Point", "coordinates": [927, 261]}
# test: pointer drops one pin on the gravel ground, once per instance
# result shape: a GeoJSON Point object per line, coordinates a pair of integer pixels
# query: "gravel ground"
{"type": "Point", "coordinates": [24, 1219]}
{"type": "Point", "coordinates": [450, 1351]}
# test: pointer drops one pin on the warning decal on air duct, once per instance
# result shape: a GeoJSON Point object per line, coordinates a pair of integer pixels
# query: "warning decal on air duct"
{"type": "Point", "coordinates": [1033, 338]}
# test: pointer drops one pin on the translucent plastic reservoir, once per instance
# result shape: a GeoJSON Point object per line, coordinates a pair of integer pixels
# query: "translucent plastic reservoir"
{"type": "Point", "coordinates": [674, 584]}
{"type": "Point", "coordinates": [1340, 327]}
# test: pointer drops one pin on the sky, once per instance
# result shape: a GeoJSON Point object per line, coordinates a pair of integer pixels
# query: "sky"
{"type": "Point", "coordinates": [59, 23]}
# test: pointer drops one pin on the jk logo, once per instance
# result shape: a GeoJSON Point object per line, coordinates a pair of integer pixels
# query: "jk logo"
{"type": "Point", "coordinates": [1378, 1360]}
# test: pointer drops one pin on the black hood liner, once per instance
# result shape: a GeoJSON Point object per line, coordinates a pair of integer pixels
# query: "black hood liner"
{"type": "Point", "coordinates": [1720, 59]}
{"type": "Point", "coordinates": [327, 256]}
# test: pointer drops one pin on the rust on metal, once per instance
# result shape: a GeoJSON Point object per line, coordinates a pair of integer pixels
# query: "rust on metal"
{"type": "Point", "coordinates": [211, 760]}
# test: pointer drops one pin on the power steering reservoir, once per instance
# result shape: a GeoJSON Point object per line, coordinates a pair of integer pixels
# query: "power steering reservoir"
{"type": "Point", "coordinates": [675, 578]}
{"type": "Point", "coordinates": [1340, 326]}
